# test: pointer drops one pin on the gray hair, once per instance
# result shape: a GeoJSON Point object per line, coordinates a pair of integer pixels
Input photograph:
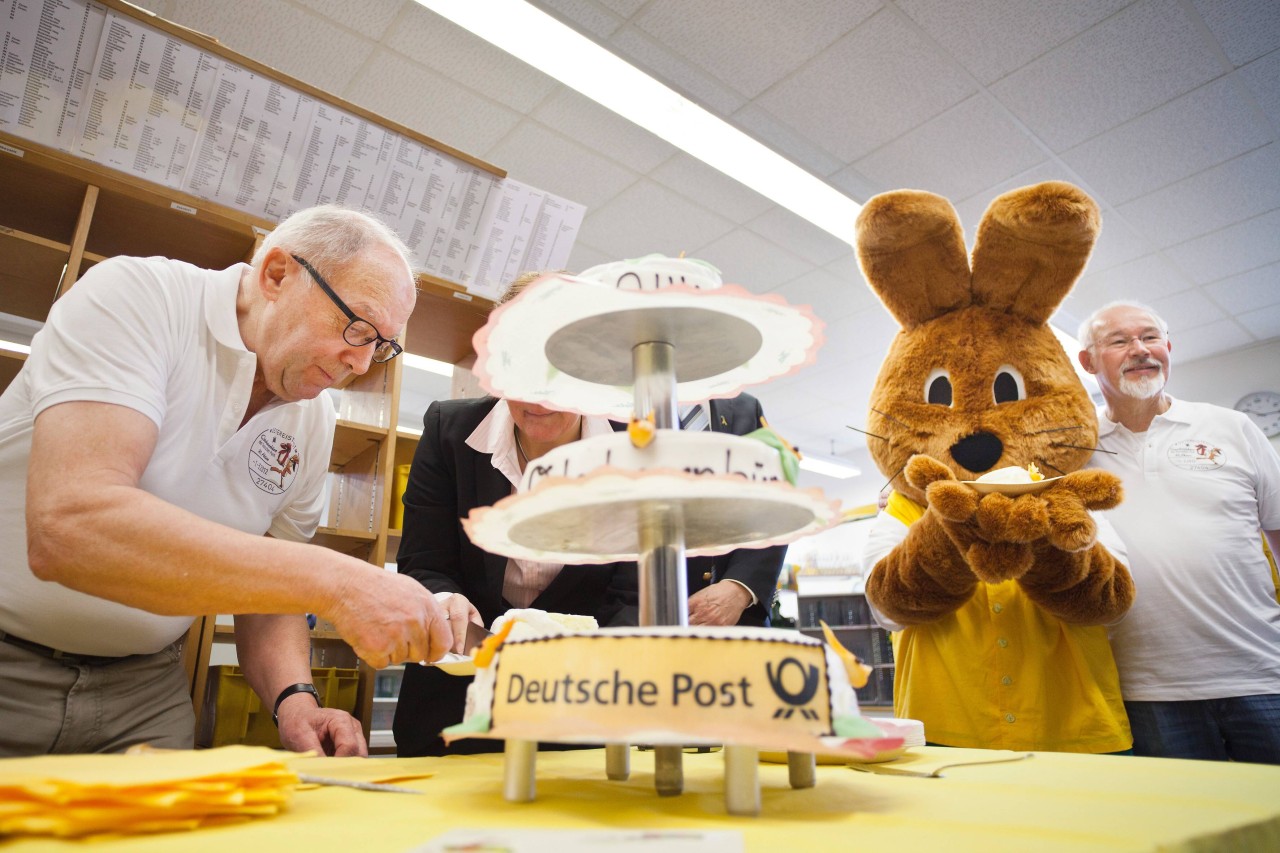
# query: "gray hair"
{"type": "Point", "coordinates": [1090, 325]}
{"type": "Point", "coordinates": [331, 238]}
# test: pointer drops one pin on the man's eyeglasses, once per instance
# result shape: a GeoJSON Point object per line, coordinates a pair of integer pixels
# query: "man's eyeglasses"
{"type": "Point", "coordinates": [359, 332]}
{"type": "Point", "coordinates": [1120, 343]}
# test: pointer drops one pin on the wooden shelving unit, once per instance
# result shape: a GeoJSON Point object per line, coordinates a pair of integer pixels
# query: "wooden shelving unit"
{"type": "Point", "coordinates": [60, 214]}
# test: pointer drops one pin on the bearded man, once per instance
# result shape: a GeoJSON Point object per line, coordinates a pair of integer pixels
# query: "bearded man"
{"type": "Point", "coordinates": [1199, 652]}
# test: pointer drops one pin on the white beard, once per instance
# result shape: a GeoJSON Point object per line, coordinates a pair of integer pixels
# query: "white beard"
{"type": "Point", "coordinates": [1144, 388]}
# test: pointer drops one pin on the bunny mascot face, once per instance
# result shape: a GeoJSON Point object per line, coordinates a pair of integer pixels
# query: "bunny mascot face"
{"type": "Point", "coordinates": [1000, 598]}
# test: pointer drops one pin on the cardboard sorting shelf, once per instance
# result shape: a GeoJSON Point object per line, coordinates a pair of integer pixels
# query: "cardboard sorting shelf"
{"type": "Point", "coordinates": [234, 714]}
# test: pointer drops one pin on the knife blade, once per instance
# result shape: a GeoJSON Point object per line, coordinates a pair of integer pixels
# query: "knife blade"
{"type": "Point", "coordinates": [476, 634]}
{"type": "Point", "coordinates": [308, 779]}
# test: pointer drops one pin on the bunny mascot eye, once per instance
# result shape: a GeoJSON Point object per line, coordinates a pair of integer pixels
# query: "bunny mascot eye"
{"type": "Point", "coordinates": [1009, 385]}
{"type": "Point", "coordinates": [937, 388]}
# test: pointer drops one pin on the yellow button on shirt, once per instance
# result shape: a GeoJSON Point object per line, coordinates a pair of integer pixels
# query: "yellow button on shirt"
{"type": "Point", "coordinates": [1001, 673]}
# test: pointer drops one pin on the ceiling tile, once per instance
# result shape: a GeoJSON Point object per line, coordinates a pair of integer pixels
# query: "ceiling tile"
{"type": "Point", "coordinates": [1132, 62]}
{"type": "Point", "coordinates": [994, 37]}
{"type": "Point", "coordinates": [1262, 78]}
{"type": "Point", "coordinates": [654, 59]}
{"type": "Point", "coordinates": [1246, 29]}
{"type": "Point", "coordinates": [1146, 279]}
{"type": "Point", "coordinates": [583, 15]}
{"type": "Point", "coordinates": [1188, 309]}
{"type": "Point", "coordinates": [369, 18]}
{"type": "Point", "coordinates": [646, 217]}
{"type": "Point", "coordinates": [749, 45]}
{"type": "Point", "coordinates": [800, 236]}
{"type": "Point", "coordinates": [830, 297]}
{"type": "Point", "coordinates": [1230, 251]}
{"type": "Point", "coordinates": [1118, 244]}
{"type": "Point", "coordinates": [766, 129]}
{"type": "Point", "coordinates": [871, 86]}
{"type": "Point", "coordinates": [440, 108]}
{"type": "Point", "coordinates": [327, 58]}
{"type": "Point", "coordinates": [1201, 341]}
{"type": "Point", "coordinates": [969, 147]}
{"type": "Point", "coordinates": [1254, 289]}
{"type": "Point", "coordinates": [856, 185]}
{"type": "Point", "coordinates": [748, 259]}
{"type": "Point", "coordinates": [1209, 201]}
{"type": "Point", "coordinates": [584, 257]}
{"type": "Point", "coordinates": [625, 8]}
{"type": "Point", "coordinates": [441, 45]}
{"type": "Point", "coordinates": [1263, 323]}
{"type": "Point", "coordinates": [1214, 123]}
{"type": "Point", "coordinates": [609, 134]}
{"type": "Point", "coordinates": [540, 156]}
{"type": "Point", "coordinates": [710, 187]}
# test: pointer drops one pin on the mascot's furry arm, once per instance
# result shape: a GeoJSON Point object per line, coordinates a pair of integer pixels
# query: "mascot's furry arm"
{"type": "Point", "coordinates": [1045, 541]}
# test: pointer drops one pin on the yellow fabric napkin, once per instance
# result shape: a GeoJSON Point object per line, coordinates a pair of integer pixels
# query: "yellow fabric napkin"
{"type": "Point", "coordinates": [148, 791]}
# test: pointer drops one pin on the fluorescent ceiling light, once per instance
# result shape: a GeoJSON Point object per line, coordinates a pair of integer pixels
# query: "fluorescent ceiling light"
{"type": "Point", "coordinates": [828, 467]}
{"type": "Point", "coordinates": [430, 365]}
{"type": "Point", "coordinates": [560, 52]}
{"type": "Point", "coordinates": [14, 347]}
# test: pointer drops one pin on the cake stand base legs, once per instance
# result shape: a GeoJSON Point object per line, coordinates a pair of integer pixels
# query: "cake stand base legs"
{"type": "Point", "coordinates": [668, 770]}
{"type": "Point", "coordinates": [802, 768]}
{"type": "Point", "coordinates": [741, 780]}
{"type": "Point", "coordinates": [617, 761]}
{"type": "Point", "coordinates": [518, 771]}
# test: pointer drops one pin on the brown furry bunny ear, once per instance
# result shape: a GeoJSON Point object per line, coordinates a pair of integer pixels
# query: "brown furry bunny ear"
{"type": "Point", "coordinates": [1032, 245]}
{"type": "Point", "coordinates": [911, 248]}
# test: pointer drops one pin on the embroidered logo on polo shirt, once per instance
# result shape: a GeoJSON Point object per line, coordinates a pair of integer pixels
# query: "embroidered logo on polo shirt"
{"type": "Point", "coordinates": [273, 461]}
{"type": "Point", "coordinates": [1196, 455]}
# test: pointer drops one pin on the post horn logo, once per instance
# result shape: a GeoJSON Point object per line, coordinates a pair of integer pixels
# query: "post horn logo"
{"type": "Point", "coordinates": [808, 688]}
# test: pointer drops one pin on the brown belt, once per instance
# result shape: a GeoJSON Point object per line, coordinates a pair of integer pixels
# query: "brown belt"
{"type": "Point", "coordinates": [63, 657]}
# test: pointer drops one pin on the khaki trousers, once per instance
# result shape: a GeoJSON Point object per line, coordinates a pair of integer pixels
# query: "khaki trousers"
{"type": "Point", "coordinates": [48, 706]}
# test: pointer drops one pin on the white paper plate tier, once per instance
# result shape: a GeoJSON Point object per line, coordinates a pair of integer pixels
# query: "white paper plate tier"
{"type": "Point", "coordinates": [596, 519]}
{"type": "Point", "coordinates": [567, 343]}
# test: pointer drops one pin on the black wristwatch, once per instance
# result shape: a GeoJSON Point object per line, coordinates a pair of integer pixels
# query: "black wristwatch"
{"type": "Point", "coordinates": [289, 691]}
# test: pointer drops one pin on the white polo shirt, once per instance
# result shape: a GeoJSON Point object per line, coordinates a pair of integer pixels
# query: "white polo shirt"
{"type": "Point", "coordinates": [160, 337]}
{"type": "Point", "coordinates": [1199, 485]}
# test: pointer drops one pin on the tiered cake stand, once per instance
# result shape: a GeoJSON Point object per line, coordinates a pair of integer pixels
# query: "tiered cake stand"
{"type": "Point", "coordinates": [584, 347]}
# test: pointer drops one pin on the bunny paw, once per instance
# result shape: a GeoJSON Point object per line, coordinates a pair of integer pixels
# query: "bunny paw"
{"type": "Point", "coordinates": [952, 500]}
{"type": "Point", "coordinates": [995, 562]}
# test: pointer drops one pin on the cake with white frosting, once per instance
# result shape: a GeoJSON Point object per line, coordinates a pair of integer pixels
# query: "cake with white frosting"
{"type": "Point", "coordinates": [531, 622]}
{"type": "Point", "coordinates": [776, 689]}
{"type": "Point", "coordinates": [655, 272]}
{"type": "Point", "coordinates": [707, 454]}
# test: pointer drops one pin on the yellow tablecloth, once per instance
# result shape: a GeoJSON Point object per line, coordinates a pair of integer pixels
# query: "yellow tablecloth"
{"type": "Point", "coordinates": [1050, 802]}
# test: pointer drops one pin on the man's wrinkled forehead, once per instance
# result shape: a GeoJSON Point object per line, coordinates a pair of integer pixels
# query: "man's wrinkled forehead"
{"type": "Point", "coordinates": [1126, 319]}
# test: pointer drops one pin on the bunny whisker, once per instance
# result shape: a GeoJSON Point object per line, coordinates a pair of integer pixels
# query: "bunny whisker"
{"type": "Point", "coordinates": [1082, 447]}
{"type": "Point", "coordinates": [864, 432]}
{"type": "Point", "coordinates": [1054, 429]}
{"type": "Point", "coordinates": [889, 417]}
{"type": "Point", "coordinates": [1044, 464]}
{"type": "Point", "coordinates": [894, 477]}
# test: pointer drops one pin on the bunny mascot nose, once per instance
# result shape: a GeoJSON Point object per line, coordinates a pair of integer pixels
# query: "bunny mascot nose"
{"type": "Point", "coordinates": [977, 452]}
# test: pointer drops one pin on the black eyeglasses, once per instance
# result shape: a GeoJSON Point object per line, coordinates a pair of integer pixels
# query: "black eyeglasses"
{"type": "Point", "coordinates": [359, 332]}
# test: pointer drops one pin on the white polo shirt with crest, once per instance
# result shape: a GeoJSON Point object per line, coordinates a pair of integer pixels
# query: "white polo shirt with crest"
{"type": "Point", "coordinates": [160, 337]}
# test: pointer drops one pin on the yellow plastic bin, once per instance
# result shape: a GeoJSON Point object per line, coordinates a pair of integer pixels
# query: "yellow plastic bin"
{"type": "Point", "coordinates": [233, 713]}
{"type": "Point", "coordinates": [397, 496]}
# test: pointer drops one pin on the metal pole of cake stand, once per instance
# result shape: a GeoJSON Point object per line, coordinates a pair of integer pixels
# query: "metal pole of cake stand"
{"type": "Point", "coordinates": [663, 587]}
